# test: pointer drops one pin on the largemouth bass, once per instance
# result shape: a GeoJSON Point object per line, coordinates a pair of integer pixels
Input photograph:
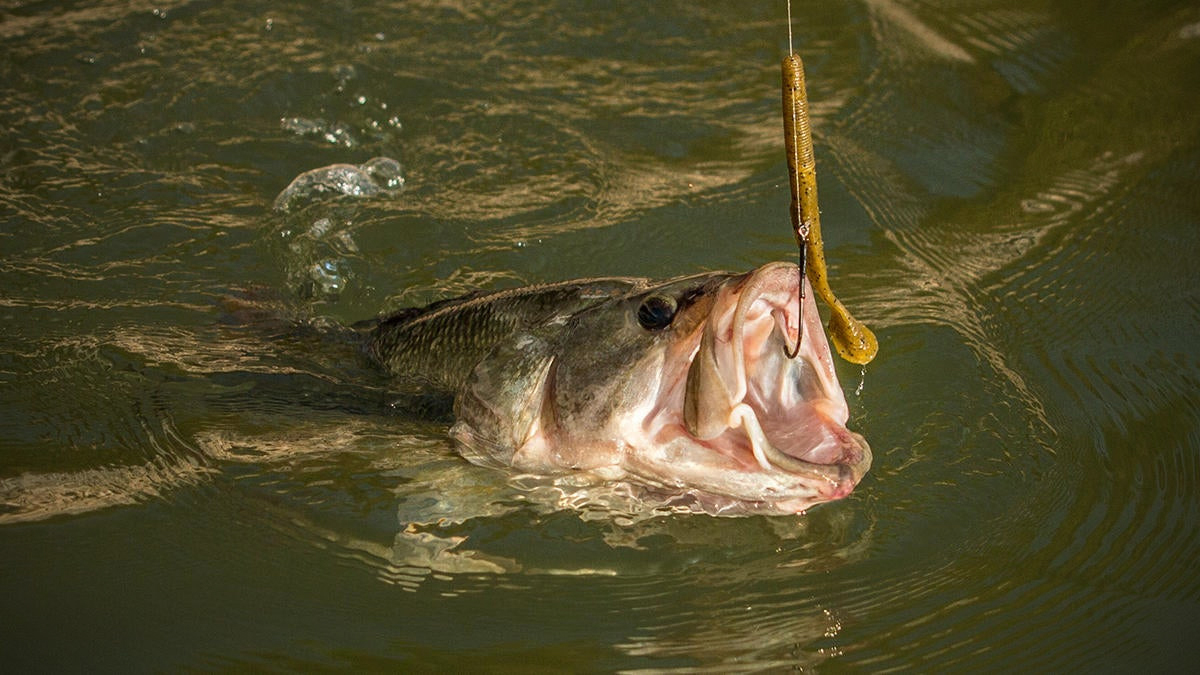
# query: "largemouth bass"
{"type": "Point", "coordinates": [681, 387]}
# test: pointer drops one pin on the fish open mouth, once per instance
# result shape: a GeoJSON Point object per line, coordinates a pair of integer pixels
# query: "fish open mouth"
{"type": "Point", "coordinates": [746, 399]}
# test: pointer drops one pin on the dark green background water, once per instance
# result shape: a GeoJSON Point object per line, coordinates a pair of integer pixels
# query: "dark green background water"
{"type": "Point", "coordinates": [1010, 199]}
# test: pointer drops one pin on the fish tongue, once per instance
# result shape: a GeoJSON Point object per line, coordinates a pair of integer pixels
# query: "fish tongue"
{"type": "Point", "coordinates": [707, 400]}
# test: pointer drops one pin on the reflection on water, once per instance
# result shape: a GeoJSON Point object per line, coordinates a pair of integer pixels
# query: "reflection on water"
{"type": "Point", "coordinates": [1010, 200]}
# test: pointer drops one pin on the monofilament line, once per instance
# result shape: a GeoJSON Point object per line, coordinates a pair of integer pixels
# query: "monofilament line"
{"type": "Point", "coordinates": [789, 19]}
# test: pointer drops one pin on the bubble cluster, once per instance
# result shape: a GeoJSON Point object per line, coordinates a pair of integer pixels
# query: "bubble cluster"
{"type": "Point", "coordinates": [318, 226]}
{"type": "Point", "coordinates": [375, 177]}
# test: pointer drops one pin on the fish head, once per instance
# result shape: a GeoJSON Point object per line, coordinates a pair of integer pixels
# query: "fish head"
{"type": "Point", "coordinates": [684, 387]}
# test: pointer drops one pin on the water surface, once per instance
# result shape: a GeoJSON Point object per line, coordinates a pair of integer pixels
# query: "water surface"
{"type": "Point", "coordinates": [1010, 201]}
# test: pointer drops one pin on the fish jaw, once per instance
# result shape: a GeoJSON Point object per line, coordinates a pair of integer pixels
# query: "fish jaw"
{"type": "Point", "coordinates": [744, 424]}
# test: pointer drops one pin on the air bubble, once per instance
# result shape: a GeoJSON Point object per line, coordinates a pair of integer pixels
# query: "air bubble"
{"type": "Point", "coordinates": [378, 176]}
{"type": "Point", "coordinates": [326, 279]}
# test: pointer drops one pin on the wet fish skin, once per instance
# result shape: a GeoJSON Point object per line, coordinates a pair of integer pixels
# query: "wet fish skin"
{"type": "Point", "coordinates": [489, 349]}
{"type": "Point", "coordinates": [442, 342]}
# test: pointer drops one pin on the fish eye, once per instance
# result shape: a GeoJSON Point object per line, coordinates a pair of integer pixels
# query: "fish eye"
{"type": "Point", "coordinates": [656, 312]}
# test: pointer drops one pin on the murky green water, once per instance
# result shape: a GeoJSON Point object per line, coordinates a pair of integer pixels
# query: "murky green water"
{"type": "Point", "coordinates": [1010, 200]}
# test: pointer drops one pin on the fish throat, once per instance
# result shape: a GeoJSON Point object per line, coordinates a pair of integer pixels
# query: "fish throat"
{"type": "Point", "coordinates": [749, 391]}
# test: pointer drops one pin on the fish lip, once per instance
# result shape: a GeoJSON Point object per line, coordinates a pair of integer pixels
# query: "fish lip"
{"type": "Point", "coordinates": [766, 303]}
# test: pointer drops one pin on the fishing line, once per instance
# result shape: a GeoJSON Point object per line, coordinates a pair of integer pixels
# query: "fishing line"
{"type": "Point", "coordinates": [795, 123]}
{"type": "Point", "coordinates": [789, 21]}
